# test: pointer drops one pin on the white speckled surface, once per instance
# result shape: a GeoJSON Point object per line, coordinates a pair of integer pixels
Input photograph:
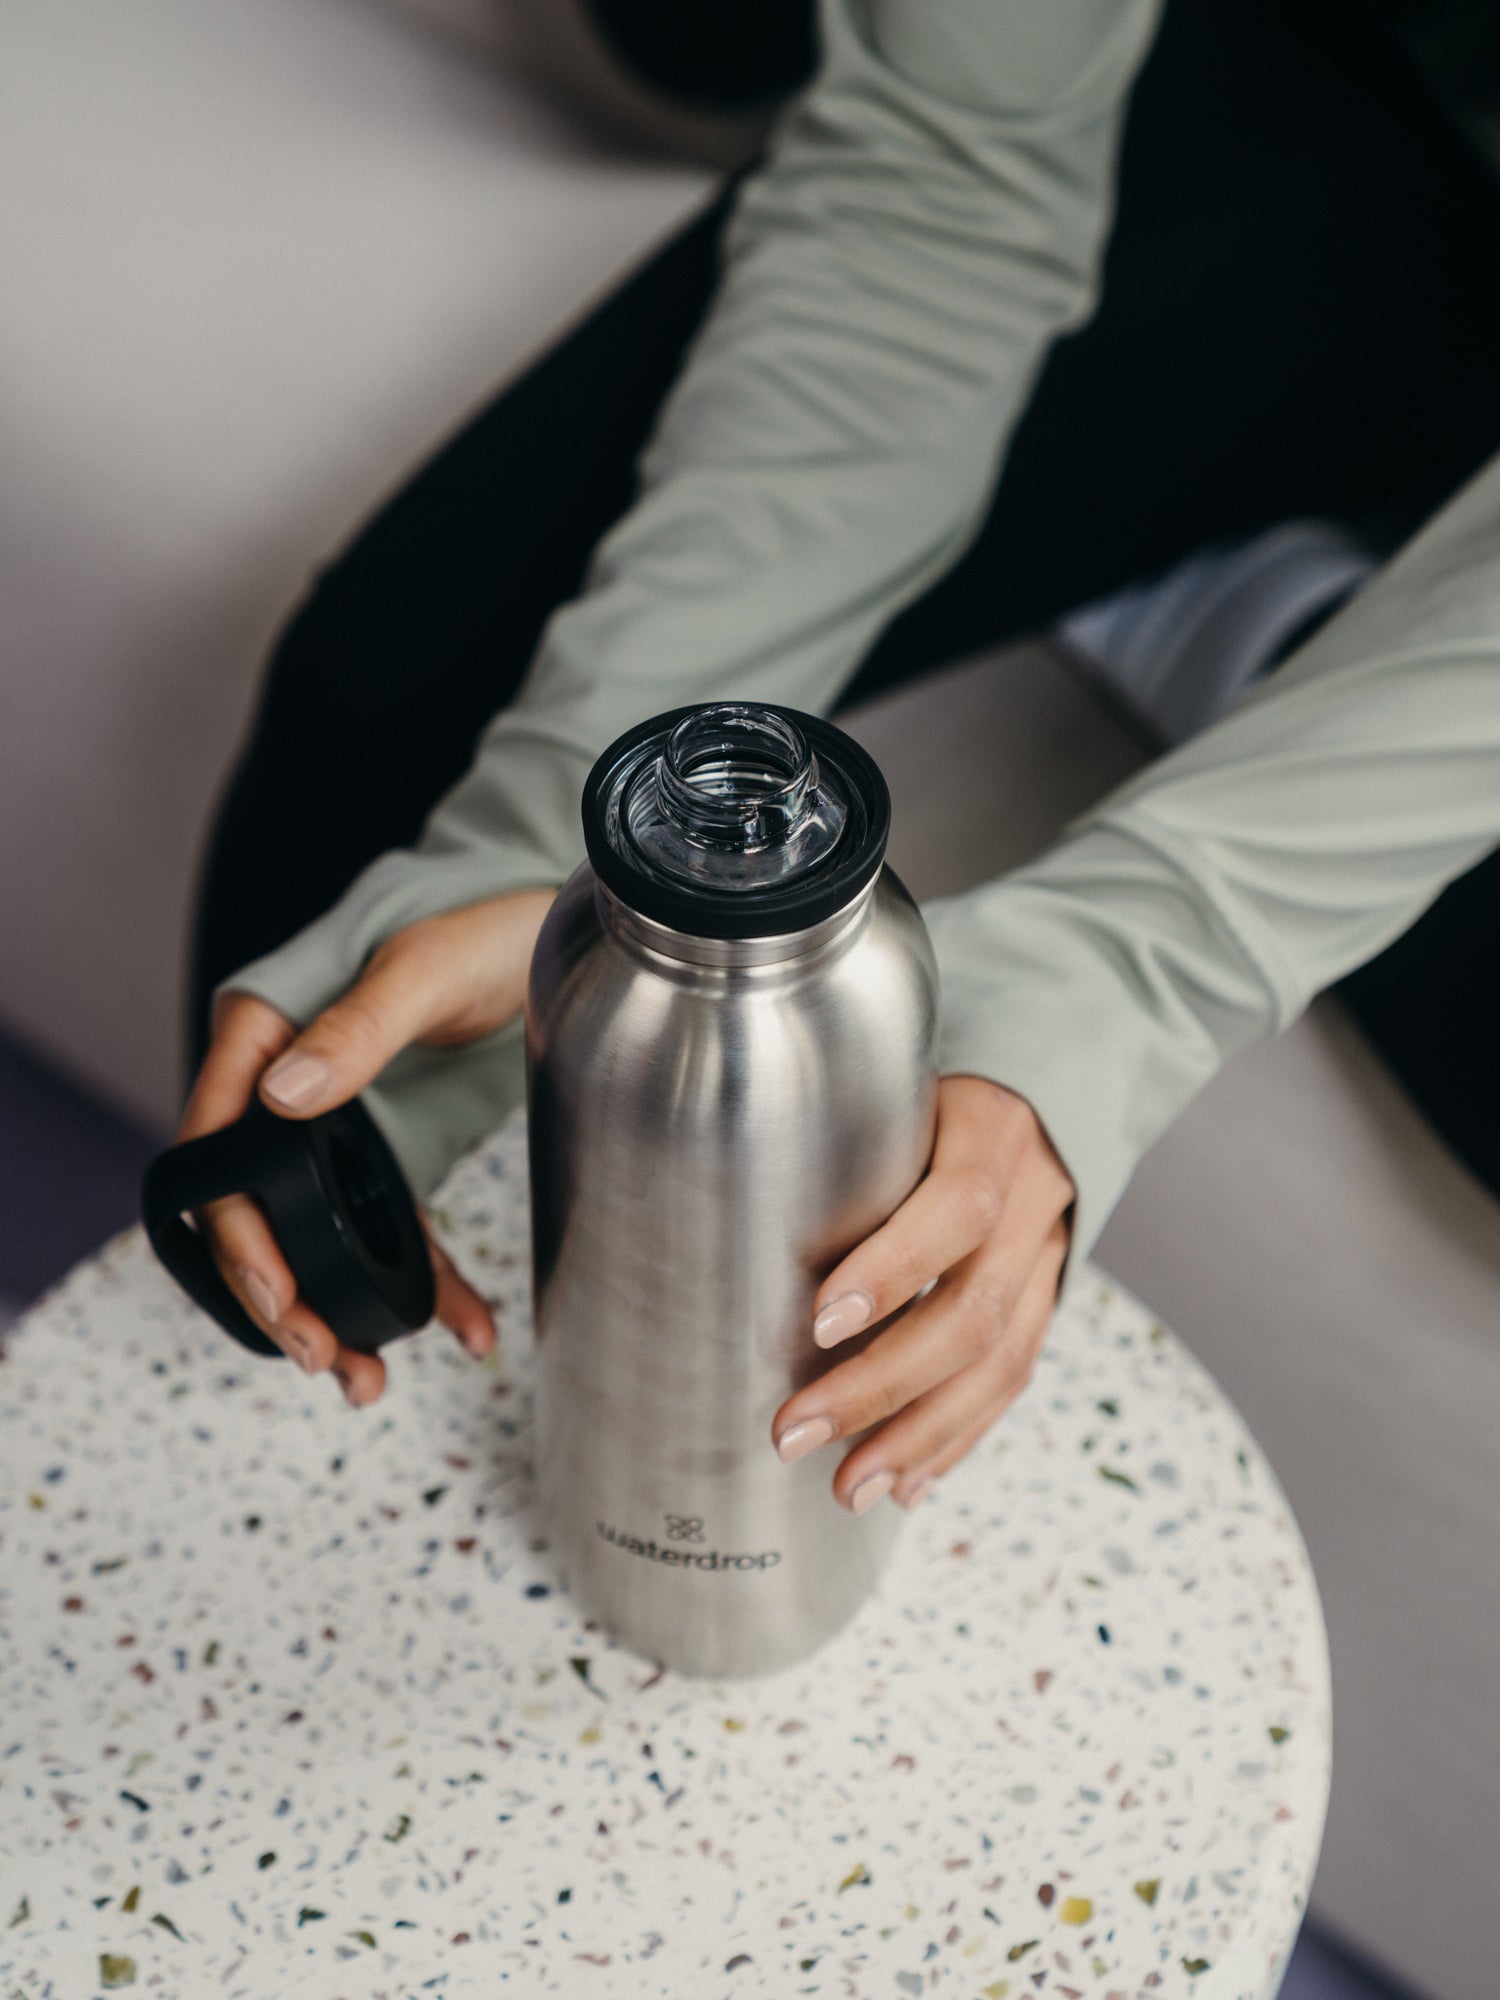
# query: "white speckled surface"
{"type": "Point", "coordinates": [290, 1703]}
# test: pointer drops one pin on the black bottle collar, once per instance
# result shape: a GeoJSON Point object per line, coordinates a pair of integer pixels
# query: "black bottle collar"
{"type": "Point", "coordinates": [796, 901]}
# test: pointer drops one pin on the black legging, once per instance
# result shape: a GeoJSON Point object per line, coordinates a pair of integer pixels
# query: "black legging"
{"type": "Point", "coordinates": [1301, 314]}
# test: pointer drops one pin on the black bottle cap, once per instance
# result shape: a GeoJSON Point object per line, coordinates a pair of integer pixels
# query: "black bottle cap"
{"type": "Point", "coordinates": [339, 1208]}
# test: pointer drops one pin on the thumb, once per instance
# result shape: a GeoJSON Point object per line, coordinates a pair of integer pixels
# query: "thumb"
{"type": "Point", "coordinates": [349, 1044]}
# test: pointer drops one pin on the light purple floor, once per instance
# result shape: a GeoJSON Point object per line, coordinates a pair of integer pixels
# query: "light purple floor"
{"type": "Point", "coordinates": [70, 1172]}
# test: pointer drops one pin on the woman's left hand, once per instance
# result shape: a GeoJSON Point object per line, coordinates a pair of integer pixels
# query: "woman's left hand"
{"type": "Point", "coordinates": [990, 1223]}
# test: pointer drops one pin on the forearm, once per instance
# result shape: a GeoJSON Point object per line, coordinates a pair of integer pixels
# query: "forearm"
{"type": "Point", "coordinates": [1203, 904]}
{"type": "Point", "coordinates": [930, 216]}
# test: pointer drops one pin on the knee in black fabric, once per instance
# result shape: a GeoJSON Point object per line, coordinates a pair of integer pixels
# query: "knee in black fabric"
{"type": "Point", "coordinates": [353, 675]}
{"type": "Point", "coordinates": [309, 658]}
{"type": "Point", "coordinates": [727, 55]}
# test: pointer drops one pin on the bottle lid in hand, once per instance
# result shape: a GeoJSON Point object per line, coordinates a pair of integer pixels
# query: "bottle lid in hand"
{"type": "Point", "coordinates": [337, 1204]}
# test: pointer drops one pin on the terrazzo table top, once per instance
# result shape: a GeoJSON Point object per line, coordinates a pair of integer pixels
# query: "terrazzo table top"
{"type": "Point", "coordinates": [291, 1703]}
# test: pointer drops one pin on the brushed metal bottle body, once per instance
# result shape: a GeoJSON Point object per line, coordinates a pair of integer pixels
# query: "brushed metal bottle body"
{"type": "Point", "coordinates": [714, 1122]}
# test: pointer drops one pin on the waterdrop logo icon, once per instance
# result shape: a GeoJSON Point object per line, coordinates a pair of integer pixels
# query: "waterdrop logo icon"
{"type": "Point", "coordinates": [685, 1528]}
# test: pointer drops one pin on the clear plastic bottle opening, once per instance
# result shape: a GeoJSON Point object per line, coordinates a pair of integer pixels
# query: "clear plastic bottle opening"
{"type": "Point", "coordinates": [735, 799]}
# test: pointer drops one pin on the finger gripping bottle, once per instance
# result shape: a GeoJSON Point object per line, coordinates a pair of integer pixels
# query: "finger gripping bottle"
{"type": "Point", "coordinates": [730, 1039]}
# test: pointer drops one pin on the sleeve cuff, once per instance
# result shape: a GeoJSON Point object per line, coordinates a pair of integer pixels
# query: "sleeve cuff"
{"type": "Point", "coordinates": [433, 1105]}
{"type": "Point", "coordinates": [1030, 1023]}
{"type": "Point", "coordinates": [1086, 1007]}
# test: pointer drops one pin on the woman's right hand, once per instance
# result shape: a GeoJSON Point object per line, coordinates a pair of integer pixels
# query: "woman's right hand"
{"type": "Point", "coordinates": [441, 982]}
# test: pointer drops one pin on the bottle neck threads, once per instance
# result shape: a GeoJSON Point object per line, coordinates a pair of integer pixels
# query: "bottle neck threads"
{"type": "Point", "coordinates": [732, 776]}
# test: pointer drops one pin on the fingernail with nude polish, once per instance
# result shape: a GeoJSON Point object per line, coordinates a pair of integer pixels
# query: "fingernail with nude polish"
{"type": "Point", "coordinates": [297, 1081]}
{"type": "Point", "coordinates": [259, 1293]}
{"type": "Point", "coordinates": [842, 1316]}
{"type": "Point", "coordinates": [296, 1345]}
{"type": "Point", "coordinates": [799, 1439]}
{"type": "Point", "coordinates": [869, 1490]}
{"type": "Point", "coordinates": [919, 1493]}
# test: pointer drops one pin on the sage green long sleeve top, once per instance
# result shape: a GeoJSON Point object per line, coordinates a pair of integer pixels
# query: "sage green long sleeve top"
{"type": "Point", "coordinates": [929, 217]}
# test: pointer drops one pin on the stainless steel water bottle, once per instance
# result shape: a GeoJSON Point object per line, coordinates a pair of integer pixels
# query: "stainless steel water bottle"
{"type": "Point", "coordinates": [730, 1040]}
